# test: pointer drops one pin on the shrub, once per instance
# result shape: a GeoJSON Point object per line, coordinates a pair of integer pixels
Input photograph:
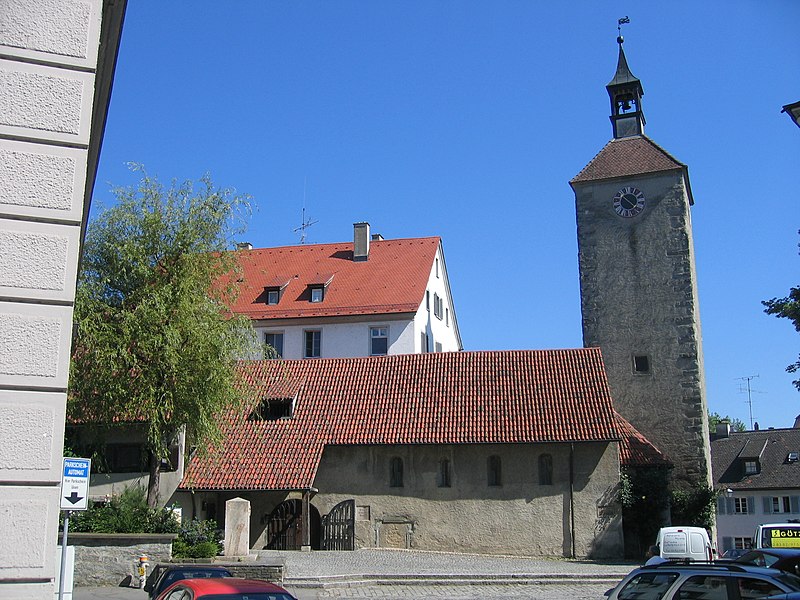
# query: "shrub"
{"type": "Point", "coordinates": [126, 513]}
{"type": "Point", "coordinates": [198, 539]}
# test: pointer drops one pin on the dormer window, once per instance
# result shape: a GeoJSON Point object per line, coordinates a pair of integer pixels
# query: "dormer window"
{"type": "Point", "coordinates": [793, 457]}
{"type": "Point", "coordinates": [751, 467]}
{"type": "Point", "coordinates": [273, 290]}
{"type": "Point", "coordinates": [318, 286]}
{"type": "Point", "coordinates": [273, 296]}
{"type": "Point", "coordinates": [273, 409]}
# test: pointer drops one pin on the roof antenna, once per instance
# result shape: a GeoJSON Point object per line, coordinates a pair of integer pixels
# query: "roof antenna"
{"type": "Point", "coordinates": [303, 223]}
{"type": "Point", "coordinates": [620, 23]}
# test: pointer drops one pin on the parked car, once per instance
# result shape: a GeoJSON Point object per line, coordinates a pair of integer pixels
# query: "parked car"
{"type": "Point", "coordinates": [174, 573]}
{"type": "Point", "coordinates": [226, 588]}
{"type": "Point", "coordinates": [710, 581]}
{"type": "Point", "coordinates": [785, 559]}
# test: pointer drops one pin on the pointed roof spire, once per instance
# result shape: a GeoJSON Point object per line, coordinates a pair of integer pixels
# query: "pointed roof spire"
{"type": "Point", "coordinates": [623, 74]}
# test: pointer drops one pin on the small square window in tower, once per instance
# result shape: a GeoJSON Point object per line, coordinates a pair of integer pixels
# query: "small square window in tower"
{"type": "Point", "coordinates": [641, 364]}
{"type": "Point", "coordinates": [378, 341]}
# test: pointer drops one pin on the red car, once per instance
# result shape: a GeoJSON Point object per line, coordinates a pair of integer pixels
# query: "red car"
{"type": "Point", "coordinates": [224, 588]}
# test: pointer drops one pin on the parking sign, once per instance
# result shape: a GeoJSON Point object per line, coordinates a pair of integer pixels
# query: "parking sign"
{"type": "Point", "coordinates": [75, 483]}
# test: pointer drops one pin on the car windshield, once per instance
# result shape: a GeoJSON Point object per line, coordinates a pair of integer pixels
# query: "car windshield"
{"type": "Point", "coordinates": [647, 586]}
{"type": "Point", "coordinates": [760, 559]}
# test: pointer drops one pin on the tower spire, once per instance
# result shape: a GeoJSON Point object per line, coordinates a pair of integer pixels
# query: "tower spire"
{"type": "Point", "coordinates": [625, 92]}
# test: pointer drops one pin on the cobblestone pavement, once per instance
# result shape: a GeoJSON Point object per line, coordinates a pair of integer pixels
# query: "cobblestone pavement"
{"type": "Point", "coordinates": [576, 591]}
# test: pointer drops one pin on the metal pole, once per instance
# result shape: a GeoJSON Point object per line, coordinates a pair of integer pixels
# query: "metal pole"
{"type": "Point", "coordinates": [62, 573]}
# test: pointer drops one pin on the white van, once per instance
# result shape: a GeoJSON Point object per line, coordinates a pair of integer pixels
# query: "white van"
{"type": "Point", "coordinates": [777, 535]}
{"type": "Point", "coordinates": [684, 543]}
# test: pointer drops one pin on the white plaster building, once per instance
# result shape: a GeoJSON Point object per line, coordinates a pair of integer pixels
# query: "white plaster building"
{"type": "Point", "coordinates": [57, 61]}
{"type": "Point", "coordinates": [366, 298]}
{"type": "Point", "coordinates": [758, 475]}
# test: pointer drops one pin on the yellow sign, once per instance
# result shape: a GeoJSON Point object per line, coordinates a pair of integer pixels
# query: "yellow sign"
{"type": "Point", "coordinates": [785, 538]}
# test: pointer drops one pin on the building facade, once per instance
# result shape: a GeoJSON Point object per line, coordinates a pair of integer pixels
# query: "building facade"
{"type": "Point", "coordinates": [758, 476]}
{"type": "Point", "coordinates": [638, 283]}
{"type": "Point", "coordinates": [498, 452]}
{"type": "Point", "coordinates": [371, 297]}
{"type": "Point", "coordinates": [56, 69]}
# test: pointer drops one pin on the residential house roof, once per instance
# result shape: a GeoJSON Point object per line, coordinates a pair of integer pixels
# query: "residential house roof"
{"type": "Point", "coordinates": [392, 280]}
{"type": "Point", "coordinates": [501, 397]}
{"type": "Point", "coordinates": [628, 156]}
{"type": "Point", "coordinates": [770, 447]}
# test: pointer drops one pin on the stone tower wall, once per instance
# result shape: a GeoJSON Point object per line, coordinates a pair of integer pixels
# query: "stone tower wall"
{"type": "Point", "coordinates": [639, 297]}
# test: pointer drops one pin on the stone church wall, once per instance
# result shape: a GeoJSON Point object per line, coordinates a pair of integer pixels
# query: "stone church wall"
{"type": "Point", "coordinates": [518, 517]}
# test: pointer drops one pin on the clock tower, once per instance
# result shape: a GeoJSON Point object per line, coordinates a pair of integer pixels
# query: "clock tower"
{"type": "Point", "coordinates": [638, 284]}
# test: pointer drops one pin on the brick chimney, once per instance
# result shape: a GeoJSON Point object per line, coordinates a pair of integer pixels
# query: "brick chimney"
{"type": "Point", "coordinates": [360, 241]}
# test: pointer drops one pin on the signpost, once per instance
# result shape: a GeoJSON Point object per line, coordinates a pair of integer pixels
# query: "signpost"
{"type": "Point", "coordinates": [74, 496]}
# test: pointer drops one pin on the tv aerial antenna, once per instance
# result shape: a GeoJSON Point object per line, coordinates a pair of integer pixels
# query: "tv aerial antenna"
{"type": "Point", "coordinates": [304, 223]}
{"type": "Point", "coordinates": [745, 387]}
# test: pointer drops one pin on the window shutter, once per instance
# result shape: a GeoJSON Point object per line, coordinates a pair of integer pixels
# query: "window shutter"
{"type": "Point", "coordinates": [729, 505]}
{"type": "Point", "coordinates": [751, 505]}
{"type": "Point", "coordinates": [727, 543]}
{"type": "Point", "coordinates": [721, 506]}
{"type": "Point", "coordinates": [794, 503]}
{"type": "Point", "coordinates": [767, 504]}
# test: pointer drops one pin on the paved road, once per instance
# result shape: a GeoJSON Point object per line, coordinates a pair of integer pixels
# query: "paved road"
{"type": "Point", "coordinates": [401, 575]}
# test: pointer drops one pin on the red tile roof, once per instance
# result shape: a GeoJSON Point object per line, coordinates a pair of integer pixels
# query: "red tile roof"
{"type": "Point", "coordinates": [628, 156]}
{"type": "Point", "coordinates": [393, 280]}
{"type": "Point", "coordinates": [504, 397]}
{"type": "Point", "coordinates": [635, 450]}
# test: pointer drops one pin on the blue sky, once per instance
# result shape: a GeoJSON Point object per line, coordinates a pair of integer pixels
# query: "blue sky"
{"type": "Point", "coordinates": [467, 120]}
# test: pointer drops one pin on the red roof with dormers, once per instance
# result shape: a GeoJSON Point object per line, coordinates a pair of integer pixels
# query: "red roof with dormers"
{"type": "Point", "coordinates": [497, 397]}
{"type": "Point", "coordinates": [392, 280]}
{"type": "Point", "coordinates": [628, 156]}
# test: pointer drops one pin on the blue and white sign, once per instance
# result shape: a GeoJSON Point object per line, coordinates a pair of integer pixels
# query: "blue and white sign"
{"type": "Point", "coordinates": [75, 483]}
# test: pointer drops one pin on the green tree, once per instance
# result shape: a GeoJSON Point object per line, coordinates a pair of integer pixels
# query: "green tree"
{"type": "Point", "coordinates": [787, 308]}
{"type": "Point", "coordinates": [715, 418]}
{"type": "Point", "coordinates": [155, 342]}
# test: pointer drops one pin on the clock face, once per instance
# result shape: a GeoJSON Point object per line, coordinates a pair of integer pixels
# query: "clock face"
{"type": "Point", "coordinates": [628, 202]}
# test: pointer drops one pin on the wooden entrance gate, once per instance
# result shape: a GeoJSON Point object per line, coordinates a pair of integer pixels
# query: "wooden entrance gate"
{"type": "Point", "coordinates": [338, 527]}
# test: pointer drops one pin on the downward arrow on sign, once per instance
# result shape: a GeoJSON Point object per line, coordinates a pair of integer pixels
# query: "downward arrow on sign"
{"type": "Point", "coordinates": [74, 498]}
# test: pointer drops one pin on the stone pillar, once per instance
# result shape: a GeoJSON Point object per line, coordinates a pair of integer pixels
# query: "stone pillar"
{"type": "Point", "coordinates": [55, 76]}
{"type": "Point", "coordinates": [237, 527]}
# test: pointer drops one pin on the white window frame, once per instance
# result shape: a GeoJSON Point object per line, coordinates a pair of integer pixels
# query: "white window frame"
{"type": "Point", "coordinates": [741, 506]}
{"type": "Point", "coordinates": [751, 467]}
{"type": "Point", "coordinates": [742, 543]}
{"type": "Point", "coordinates": [317, 294]}
{"type": "Point", "coordinates": [383, 333]}
{"type": "Point", "coordinates": [781, 504]}
{"type": "Point", "coordinates": [273, 297]}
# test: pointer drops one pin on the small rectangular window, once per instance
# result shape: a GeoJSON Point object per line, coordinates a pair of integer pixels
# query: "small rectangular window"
{"type": "Point", "coordinates": [378, 341]}
{"type": "Point", "coordinates": [447, 317]}
{"type": "Point", "coordinates": [742, 543]}
{"type": "Point", "coordinates": [493, 468]}
{"type": "Point", "coordinates": [641, 363]}
{"type": "Point", "coordinates": [427, 300]}
{"type": "Point", "coordinates": [740, 506]}
{"type": "Point", "coordinates": [750, 467]}
{"type": "Point", "coordinates": [437, 347]}
{"type": "Point", "coordinates": [274, 342]}
{"type": "Point", "coordinates": [396, 472]}
{"type": "Point", "coordinates": [780, 504]}
{"type": "Point", "coordinates": [273, 296]}
{"type": "Point", "coordinates": [317, 294]}
{"type": "Point", "coordinates": [444, 473]}
{"type": "Point", "coordinates": [313, 344]}
{"type": "Point", "coordinates": [423, 342]}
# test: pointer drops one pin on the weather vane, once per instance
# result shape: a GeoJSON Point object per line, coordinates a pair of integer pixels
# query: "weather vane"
{"type": "Point", "coordinates": [620, 23]}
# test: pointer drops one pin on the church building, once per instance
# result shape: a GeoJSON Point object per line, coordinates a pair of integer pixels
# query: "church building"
{"type": "Point", "coordinates": [638, 283]}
